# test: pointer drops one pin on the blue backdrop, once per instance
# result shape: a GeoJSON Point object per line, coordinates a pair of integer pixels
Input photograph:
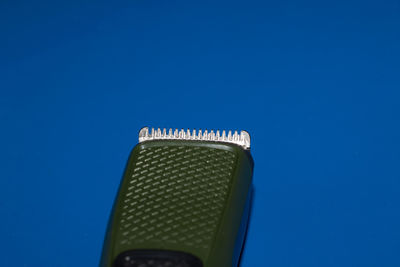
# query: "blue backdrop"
{"type": "Point", "coordinates": [315, 83]}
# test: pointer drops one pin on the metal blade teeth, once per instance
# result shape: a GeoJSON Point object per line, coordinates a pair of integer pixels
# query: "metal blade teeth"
{"type": "Point", "coordinates": [241, 139]}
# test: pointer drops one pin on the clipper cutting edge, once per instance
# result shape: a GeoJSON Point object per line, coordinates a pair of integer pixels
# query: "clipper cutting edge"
{"type": "Point", "coordinates": [242, 139]}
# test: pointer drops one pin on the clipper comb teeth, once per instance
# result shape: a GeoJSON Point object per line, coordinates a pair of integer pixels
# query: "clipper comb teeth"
{"type": "Point", "coordinates": [242, 139]}
{"type": "Point", "coordinates": [184, 200]}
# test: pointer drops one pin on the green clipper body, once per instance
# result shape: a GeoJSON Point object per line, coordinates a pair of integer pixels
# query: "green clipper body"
{"type": "Point", "coordinates": [183, 202]}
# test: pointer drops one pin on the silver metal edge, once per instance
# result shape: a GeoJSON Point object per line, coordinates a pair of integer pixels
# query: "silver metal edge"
{"type": "Point", "coordinates": [242, 139]}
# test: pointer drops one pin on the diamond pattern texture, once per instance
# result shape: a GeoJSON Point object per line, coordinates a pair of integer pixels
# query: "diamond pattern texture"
{"type": "Point", "coordinates": [176, 195]}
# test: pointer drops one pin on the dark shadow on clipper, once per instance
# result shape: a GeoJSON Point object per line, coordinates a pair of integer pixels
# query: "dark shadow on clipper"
{"type": "Point", "coordinates": [250, 211]}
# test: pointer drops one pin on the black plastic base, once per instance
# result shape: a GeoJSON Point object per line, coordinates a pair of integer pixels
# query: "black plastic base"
{"type": "Point", "coordinates": [156, 258]}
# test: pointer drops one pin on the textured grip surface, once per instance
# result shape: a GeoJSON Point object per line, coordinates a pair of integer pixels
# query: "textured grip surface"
{"type": "Point", "coordinates": [182, 196]}
{"type": "Point", "coordinates": [176, 195]}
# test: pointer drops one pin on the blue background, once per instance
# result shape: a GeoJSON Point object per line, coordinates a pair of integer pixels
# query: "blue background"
{"type": "Point", "coordinates": [315, 83]}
